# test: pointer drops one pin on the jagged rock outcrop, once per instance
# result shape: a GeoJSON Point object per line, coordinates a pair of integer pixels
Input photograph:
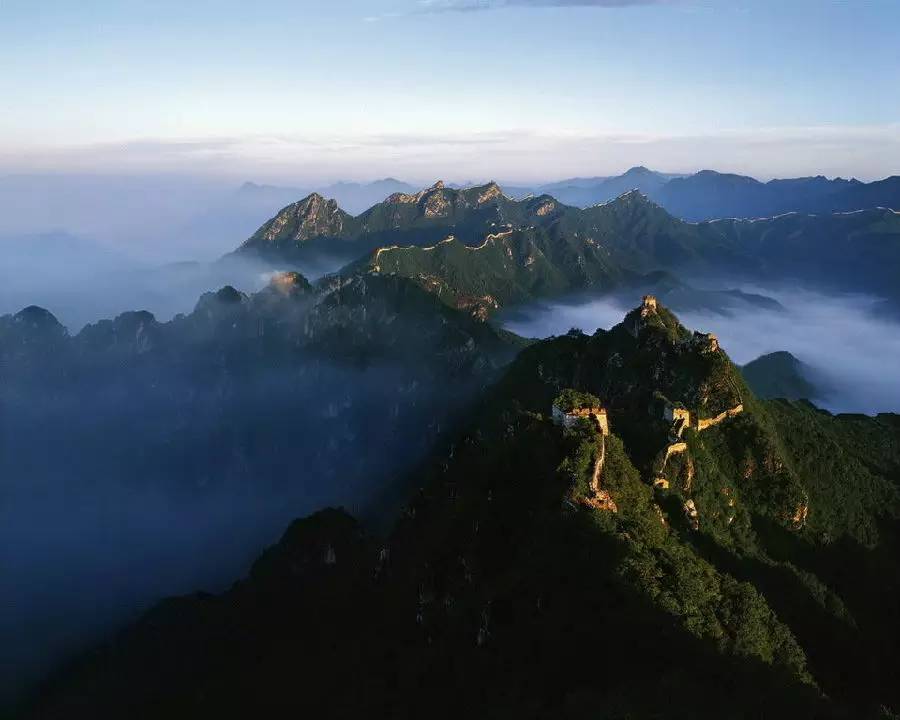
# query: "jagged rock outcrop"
{"type": "Point", "coordinates": [314, 216]}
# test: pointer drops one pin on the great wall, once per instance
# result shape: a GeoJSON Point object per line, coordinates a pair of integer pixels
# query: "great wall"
{"type": "Point", "coordinates": [680, 418]}
{"type": "Point", "coordinates": [599, 498]}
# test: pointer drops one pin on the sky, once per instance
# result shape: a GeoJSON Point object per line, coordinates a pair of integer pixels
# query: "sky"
{"type": "Point", "coordinates": [515, 90]}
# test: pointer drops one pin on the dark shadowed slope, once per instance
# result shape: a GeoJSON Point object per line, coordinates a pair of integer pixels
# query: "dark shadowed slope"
{"type": "Point", "coordinates": [672, 548]}
{"type": "Point", "coordinates": [140, 458]}
{"type": "Point", "coordinates": [780, 375]}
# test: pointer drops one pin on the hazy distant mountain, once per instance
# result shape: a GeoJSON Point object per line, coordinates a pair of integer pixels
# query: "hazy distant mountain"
{"type": "Point", "coordinates": [54, 269]}
{"type": "Point", "coordinates": [709, 195]}
{"type": "Point", "coordinates": [356, 197]}
{"type": "Point", "coordinates": [168, 219]}
{"type": "Point", "coordinates": [140, 215]}
{"type": "Point", "coordinates": [586, 192]}
{"type": "Point", "coordinates": [32, 253]}
{"type": "Point", "coordinates": [780, 375]}
{"type": "Point", "coordinates": [236, 216]}
{"type": "Point", "coordinates": [576, 182]}
{"type": "Point", "coordinates": [352, 196]}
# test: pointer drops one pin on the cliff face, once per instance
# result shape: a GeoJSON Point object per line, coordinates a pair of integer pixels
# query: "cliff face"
{"type": "Point", "coordinates": [497, 594]}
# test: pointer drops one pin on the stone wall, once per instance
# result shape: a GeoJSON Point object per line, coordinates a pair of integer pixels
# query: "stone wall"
{"type": "Point", "coordinates": [703, 424]}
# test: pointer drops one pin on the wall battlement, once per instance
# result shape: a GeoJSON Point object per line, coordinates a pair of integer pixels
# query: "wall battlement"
{"type": "Point", "coordinates": [568, 418]}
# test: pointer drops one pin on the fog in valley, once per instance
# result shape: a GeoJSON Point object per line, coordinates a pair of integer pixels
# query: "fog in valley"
{"type": "Point", "coordinates": [81, 282]}
{"type": "Point", "coordinates": [124, 488]}
{"type": "Point", "coordinates": [90, 247]}
{"type": "Point", "coordinates": [124, 481]}
{"type": "Point", "coordinates": [851, 350]}
{"type": "Point", "coordinates": [164, 462]}
{"type": "Point", "coordinates": [132, 482]}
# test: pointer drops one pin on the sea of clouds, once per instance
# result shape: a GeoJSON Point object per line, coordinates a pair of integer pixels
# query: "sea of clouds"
{"type": "Point", "coordinates": [853, 353]}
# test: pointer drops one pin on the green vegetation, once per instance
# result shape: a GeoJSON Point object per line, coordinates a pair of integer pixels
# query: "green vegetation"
{"type": "Point", "coordinates": [570, 399]}
{"type": "Point", "coordinates": [849, 490]}
{"type": "Point", "coordinates": [477, 247]}
{"type": "Point", "coordinates": [758, 580]}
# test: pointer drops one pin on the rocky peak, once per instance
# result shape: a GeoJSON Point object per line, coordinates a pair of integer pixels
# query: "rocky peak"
{"type": "Point", "coordinates": [650, 314]}
{"type": "Point", "coordinates": [315, 207]}
{"type": "Point", "coordinates": [313, 198]}
{"type": "Point", "coordinates": [488, 192]}
{"type": "Point", "coordinates": [290, 283]}
{"type": "Point", "coordinates": [543, 205]}
{"type": "Point", "coordinates": [403, 198]}
{"type": "Point", "coordinates": [312, 216]}
{"type": "Point", "coordinates": [633, 196]}
{"type": "Point", "coordinates": [435, 201]}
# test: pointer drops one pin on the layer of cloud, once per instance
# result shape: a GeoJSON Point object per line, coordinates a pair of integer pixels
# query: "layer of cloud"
{"type": "Point", "coordinates": [867, 152]}
{"type": "Point", "coordinates": [851, 351]}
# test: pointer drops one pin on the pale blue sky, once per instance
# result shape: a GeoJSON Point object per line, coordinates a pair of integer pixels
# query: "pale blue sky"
{"type": "Point", "coordinates": [525, 89]}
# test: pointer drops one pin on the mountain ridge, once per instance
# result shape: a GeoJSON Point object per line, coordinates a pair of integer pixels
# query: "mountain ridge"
{"type": "Point", "coordinates": [552, 248]}
{"type": "Point", "coordinates": [507, 581]}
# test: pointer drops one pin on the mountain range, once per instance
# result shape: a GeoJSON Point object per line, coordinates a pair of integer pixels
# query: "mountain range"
{"type": "Point", "coordinates": [576, 514]}
{"type": "Point", "coordinates": [618, 527]}
{"type": "Point", "coordinates": [479, 248]}
{"type": "Point", "coordinates": [705, 195]}
{"type": "Point", "coordinates": [710, 195]}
